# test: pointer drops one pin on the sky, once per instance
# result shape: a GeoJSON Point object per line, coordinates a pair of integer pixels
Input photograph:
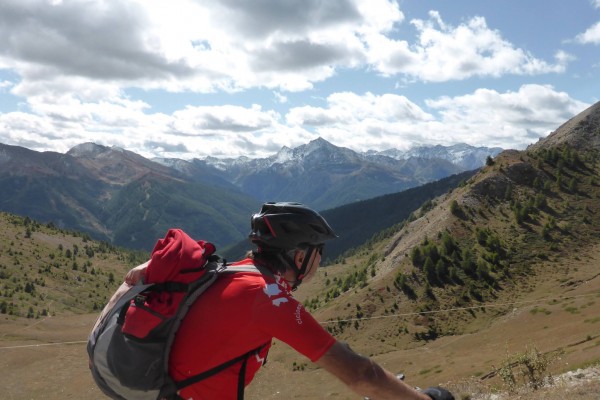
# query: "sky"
{"type": "Point", "coordinates": [191, 78]}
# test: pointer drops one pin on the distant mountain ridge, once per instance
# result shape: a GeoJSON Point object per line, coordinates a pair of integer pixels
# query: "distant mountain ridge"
{"type": "Point", "coordinates": [463, 155]}
{"type": "Point", "coordinates": [359, 222]}
{"type": "Point", "coordinates": [325, 176]}
{"type": "Point", "coordinates": [128, 200]}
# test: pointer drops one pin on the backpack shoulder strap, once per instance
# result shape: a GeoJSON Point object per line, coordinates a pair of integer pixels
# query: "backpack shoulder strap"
{"type": "Point", "coordinates": [228, 269]}
{"type": "Point", "coordinates": [207, 374]}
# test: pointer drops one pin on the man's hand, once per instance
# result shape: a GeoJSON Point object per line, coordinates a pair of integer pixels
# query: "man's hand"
{"type": "Point", "coordinates": [438, 393]}
{"type": "Point", "coordinates": [135, 274]}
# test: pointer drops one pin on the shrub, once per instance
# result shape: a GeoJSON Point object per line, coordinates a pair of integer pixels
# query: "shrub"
{"type": "Point", "coordinates": [401, 284]}
{"type": "Point", "coordinates": [531, 366]}
{"type": "Point", "coordinates": [455, 209]}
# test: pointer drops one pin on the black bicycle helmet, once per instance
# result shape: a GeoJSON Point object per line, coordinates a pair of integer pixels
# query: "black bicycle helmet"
{"type": "Point", "coordinates": [281, 227]}
{"type": "Point", "coordinates": [286, 226]}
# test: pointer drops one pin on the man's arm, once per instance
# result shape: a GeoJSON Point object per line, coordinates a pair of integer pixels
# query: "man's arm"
{"type": "Point", "coordinates": [364, 376]}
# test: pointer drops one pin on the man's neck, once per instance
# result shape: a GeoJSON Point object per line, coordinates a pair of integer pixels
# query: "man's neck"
{"type": "Point", "coordinates": [290, 276]}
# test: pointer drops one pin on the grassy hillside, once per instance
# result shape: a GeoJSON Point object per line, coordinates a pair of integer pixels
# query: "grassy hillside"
{"type": "Point", "coordinates": [484, 240]}
{"type": "Point", "coordinates": [46, 271]}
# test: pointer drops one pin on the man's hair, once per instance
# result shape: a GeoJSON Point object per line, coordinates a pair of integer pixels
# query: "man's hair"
{"type": "Point", "coordinates": [271, 260]}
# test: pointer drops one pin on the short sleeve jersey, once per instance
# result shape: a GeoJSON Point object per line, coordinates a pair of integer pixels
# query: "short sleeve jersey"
{"type": "Point", "coordinates": [238, 313]}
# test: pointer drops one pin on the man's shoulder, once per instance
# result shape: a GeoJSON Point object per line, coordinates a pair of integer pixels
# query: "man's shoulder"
{"type": "Point", "coordinates": [270, 281]}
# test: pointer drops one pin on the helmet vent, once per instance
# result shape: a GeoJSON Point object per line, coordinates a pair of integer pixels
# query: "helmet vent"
{"type": "Point", "coordinates": [318, 228]}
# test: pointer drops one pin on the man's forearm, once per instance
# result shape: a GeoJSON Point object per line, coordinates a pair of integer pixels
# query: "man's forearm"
{"type": "Point", "coordinates": [364, 376]}
{"type": "Point", "coordinates": [381, 384]}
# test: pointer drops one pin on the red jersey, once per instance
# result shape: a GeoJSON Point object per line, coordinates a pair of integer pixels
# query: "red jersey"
{"type": "Point", "coordinates": [238, 313]}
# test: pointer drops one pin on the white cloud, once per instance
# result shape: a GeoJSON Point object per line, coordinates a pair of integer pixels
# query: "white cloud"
{"type": "Point", "coordinates": [230, 131]}
{"type": "Point", "coordinates": [347, 108]}
{"type": "Point", "coordinates": [509, 120]}
{"type": "Point", "coordinates": [445, 52]}
{"type": "Point", "coordinates": [591, 35]}
{"type": "Point", "coordinates": [363, 122]}
{"type": "Point", "coordinates": [189, 45]}
{"type": "Point", "coordinates": [223, 119]}
{"type": "Point", "coordinates": [98, 40]}
{"type": "Point", "coordinates": [280, 98]}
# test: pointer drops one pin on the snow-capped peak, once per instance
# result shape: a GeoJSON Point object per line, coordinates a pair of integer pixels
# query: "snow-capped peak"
{"type": "Point", "coordinates": [88, 149]}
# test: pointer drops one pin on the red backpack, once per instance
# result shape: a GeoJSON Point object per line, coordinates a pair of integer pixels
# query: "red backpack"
{"type": "Point", "coordinates": [177, 260]}
{"type": "Point", "coordinates": [130, 343]}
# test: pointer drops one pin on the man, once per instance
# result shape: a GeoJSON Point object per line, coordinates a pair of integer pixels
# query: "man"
{"type": "Point", "coordinates": [241, 313]}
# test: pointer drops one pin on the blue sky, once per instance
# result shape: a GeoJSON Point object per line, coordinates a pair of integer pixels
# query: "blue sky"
{"type": "Point", "coordinates": [191, 78]}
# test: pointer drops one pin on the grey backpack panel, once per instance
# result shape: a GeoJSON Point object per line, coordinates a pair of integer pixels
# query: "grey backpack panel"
{"type": "Point", "coordinates": [101, 351]}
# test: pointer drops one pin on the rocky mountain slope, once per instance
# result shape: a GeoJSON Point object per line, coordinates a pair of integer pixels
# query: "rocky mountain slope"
{"type": "Point", "coordinates": [117, 196]}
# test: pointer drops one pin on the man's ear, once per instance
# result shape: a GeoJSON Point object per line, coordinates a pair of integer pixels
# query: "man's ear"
{"type": "Point", "coordinates": [299, 257]}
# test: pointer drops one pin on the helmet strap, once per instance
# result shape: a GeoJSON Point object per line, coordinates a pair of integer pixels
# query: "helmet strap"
{"type": "Point", "coordinates": [291, 262]}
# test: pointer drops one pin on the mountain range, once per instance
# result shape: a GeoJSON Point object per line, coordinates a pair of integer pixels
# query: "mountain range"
{"type": "Point", "coordinates": [325, 176]}
{"type": "Point", "coordinates": [128, 200]}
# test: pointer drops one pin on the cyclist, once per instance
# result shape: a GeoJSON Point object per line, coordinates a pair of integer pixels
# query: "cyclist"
{"type": "Point", "coordinates": [241, 313]}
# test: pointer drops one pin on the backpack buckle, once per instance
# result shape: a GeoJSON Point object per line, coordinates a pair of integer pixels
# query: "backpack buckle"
{"type": "Point", "coordinates": [139, 300]}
